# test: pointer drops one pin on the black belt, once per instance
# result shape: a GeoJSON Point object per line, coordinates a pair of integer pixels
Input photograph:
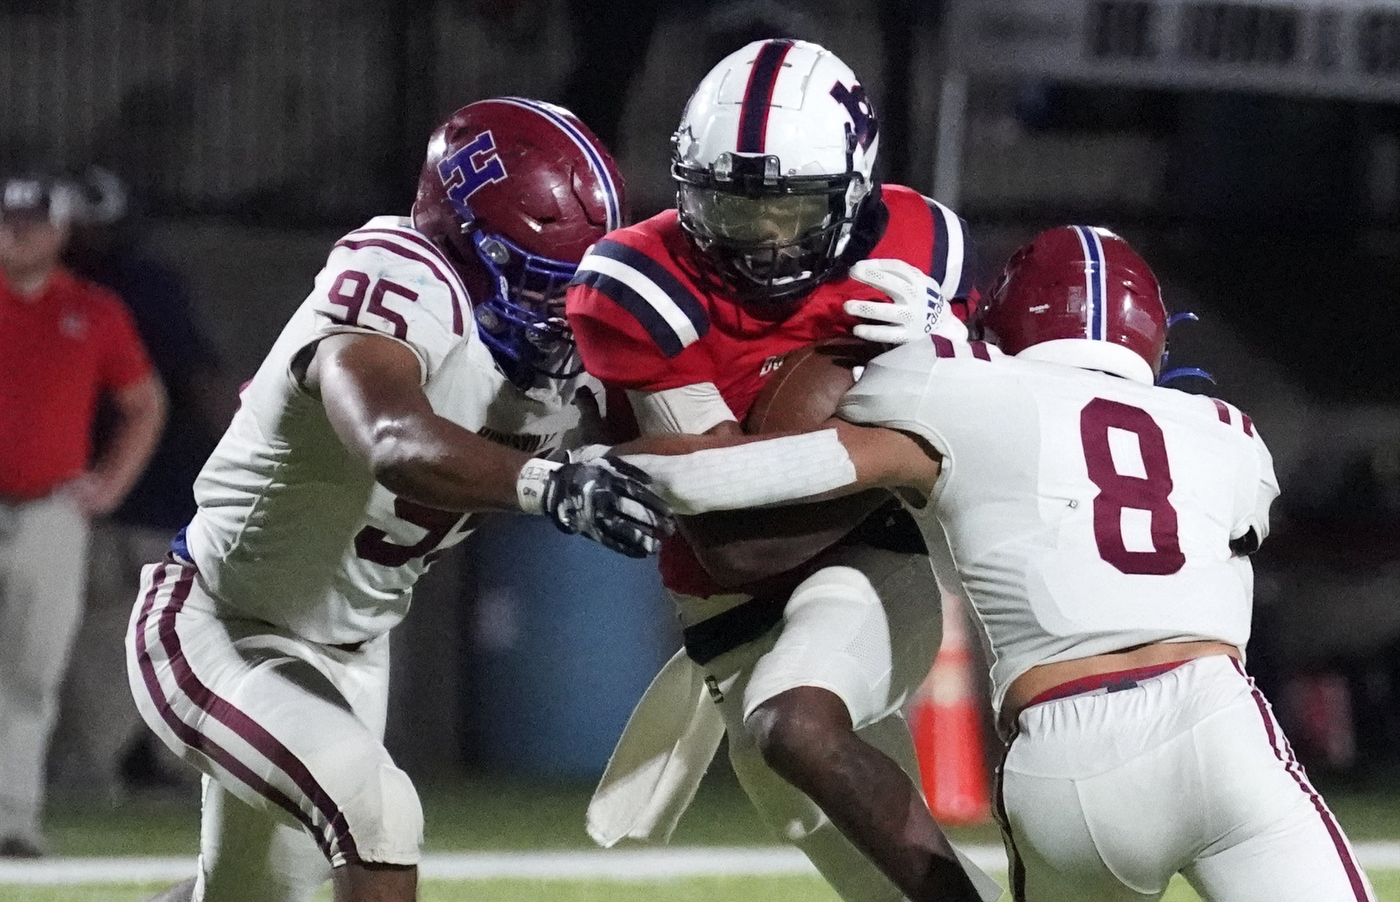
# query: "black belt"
{"type": "Point", "coordinates": [742, 623]}
{"type": "Point", "coordinates": [889, 528]}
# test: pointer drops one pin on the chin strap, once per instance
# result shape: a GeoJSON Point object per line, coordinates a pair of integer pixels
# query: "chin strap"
{"type": "Point", "coordinates": [1181, 372]}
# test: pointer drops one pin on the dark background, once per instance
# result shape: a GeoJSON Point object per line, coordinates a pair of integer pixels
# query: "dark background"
{"type": "Point", "coordinates": [253, 132]}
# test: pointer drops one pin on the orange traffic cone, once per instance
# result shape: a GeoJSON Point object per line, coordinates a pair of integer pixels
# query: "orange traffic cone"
{"type": "Point", "coordinates": [947, 729]}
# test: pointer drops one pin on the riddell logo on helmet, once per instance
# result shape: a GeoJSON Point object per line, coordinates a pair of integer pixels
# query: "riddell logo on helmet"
{"type": "Point", "coordinates": [857, 104]}
{"type": "Point", "coordinates": [472, 168]}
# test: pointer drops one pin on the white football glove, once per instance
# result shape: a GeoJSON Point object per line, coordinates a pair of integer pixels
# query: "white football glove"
{"type": "Point", "coordinates": [916, 308]}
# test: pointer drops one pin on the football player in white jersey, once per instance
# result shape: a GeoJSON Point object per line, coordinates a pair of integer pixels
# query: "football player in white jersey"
{"type": "Point", "coordinates": [1100, 526]}
{"type": "Point", "coordinates": [424, 381]}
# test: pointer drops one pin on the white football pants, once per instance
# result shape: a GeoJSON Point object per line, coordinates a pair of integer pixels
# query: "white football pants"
{"type": "Point", "coordinates": [1104, 796]}
{"type": "Point", "coordinates": [290, 732]}
{"type": "Point", "coordinates": [867, 631]}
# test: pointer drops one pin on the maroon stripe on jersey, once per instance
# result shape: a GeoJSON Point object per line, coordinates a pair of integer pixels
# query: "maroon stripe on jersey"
{"type": "Point", "coordinates": [188, 734]}
{"type": "Point", "coordinates": [434, 262]}
{"type": "Point", "coordinates": [1222, 411]}
{"type": "Point", "coordinates": [1248, 424]}
{"type": "Point", "coordinates": [979, 350]}
{"type": "Point", "coordinates": [1284, 752]}
{"type": "Point", "coordinates": [943, 347]}
{"type": "Point", "coordinates": [758, 96]}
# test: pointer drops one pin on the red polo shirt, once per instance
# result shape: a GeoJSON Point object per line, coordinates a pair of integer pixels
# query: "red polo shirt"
{"type": "Point", "coordinates": [59, 351]}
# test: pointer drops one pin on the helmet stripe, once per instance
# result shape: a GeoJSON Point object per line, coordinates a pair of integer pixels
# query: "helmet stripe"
{"type": "Point", "coordinates": [758, 96]}
{"type": "Point", "coordinates": [1095, 287]}
{"type": "Point", "coordinates": [611, 195]}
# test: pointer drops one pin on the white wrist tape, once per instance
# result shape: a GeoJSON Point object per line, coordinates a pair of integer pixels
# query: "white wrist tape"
{"type": "Point", "coordinates": [529, 485]}
{"type": "Point", "coordinates": [750, 475]}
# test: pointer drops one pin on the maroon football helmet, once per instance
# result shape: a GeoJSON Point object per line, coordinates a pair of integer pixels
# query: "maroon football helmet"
{"type": "Point", "coordinates": [516, 191]}
{"type": "Point", "coordinates": [1084, 283]}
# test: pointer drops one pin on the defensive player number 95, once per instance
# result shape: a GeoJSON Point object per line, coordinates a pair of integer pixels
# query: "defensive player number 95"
{"type": "Point", "coordinates": [1118, 491]}
{"type": "Point", "coordinates": [373, 545]}
{"type": "Point", "coordinates": [350, 290]}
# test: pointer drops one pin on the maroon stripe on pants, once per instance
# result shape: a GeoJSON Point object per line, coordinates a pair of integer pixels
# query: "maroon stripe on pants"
{"type": "Point", "coordinates": [1222, 411]}
{"type": "Point", "coordinates": [942, 347]}
{"type": "Point", "coordinates": [1016, 869]}
{"type": "Point", "coordinates": [1284, 752]}
{"type": "Point", "coordinates": [237, 721]}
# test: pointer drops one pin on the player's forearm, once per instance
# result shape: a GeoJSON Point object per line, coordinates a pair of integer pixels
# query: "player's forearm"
{"type": "Point", "coordinates": [141, 417]}
{"type": "Point", "coordinates": [754, 471]}
{"type": "Point", "coordinates": [751, 473]}
{"type": "Point", "coordinates": [435, 462]}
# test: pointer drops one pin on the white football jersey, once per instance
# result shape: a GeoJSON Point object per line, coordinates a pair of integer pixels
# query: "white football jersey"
{"type": "Point", "coordinates": [291, 529]}
{"type": "Point", "coordinates": [1079, 513]}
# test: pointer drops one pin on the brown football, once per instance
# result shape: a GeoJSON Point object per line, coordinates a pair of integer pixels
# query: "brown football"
{"type": "Point", "coordinates": [807, 384]}
{"type": "Point", "coordinates": [756, 549]}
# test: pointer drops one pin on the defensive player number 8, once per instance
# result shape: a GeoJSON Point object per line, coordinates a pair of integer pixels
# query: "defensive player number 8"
{"type": "Point", "coordinates": [1117, 491]}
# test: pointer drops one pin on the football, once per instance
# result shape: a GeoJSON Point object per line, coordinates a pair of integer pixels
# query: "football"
{"type": "Point", "coordinates": [807, 384]}
{"type": "Point", "coordinates": [768, 550]}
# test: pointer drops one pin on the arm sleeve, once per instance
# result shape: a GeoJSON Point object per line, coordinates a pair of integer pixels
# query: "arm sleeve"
{"type": "Point", "coordinates": [124, 358]}
{"type": "Point", "coordinates": [688, 410]}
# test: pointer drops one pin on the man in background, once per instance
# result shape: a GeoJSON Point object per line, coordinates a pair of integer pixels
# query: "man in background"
{"type": "Point", "coordinates": [64, 343]}
{"type": "Point", "coordinates": [97, 720]}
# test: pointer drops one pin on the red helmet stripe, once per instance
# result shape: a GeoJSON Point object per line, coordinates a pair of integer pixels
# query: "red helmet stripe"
{"type": "Point", "coordinates": [758, 96]}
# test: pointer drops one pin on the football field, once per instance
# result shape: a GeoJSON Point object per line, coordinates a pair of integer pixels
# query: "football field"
{"type": "Point", "coordinates": [495, 840]}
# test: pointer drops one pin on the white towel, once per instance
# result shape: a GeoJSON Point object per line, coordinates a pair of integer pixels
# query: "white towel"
{"type": "Point", "coordinates": [657, 765]}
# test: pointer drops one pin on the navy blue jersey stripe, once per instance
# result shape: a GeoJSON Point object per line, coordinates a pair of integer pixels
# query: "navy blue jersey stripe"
{"type": "Point", "coordinates": [660, 331]}
{"type": "Point", "coordinates": [753, 119]}
{"type": "Point", "coordinates": [662, 277]}
{"type": "Point", "coordinates": [967, 279]}
{"type": "Point", "coordinates": [938, 263]}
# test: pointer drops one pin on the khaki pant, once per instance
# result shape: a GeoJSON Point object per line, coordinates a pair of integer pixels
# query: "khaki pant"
{"type": "Point", "coordinates": [43, 564]}
{"type": "Point", "coordinates": [98, 719]}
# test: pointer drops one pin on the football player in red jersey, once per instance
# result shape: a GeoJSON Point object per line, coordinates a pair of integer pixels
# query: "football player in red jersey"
{"type": "Point", "coordinates": [781, 238]}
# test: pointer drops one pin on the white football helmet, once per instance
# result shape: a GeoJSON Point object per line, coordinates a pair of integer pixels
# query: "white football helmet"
{"type": "Point", "coordinates": [773, 159]}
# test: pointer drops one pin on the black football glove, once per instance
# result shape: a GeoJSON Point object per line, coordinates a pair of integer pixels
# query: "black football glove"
{"type": "Point", "coordinates": [605, 499]}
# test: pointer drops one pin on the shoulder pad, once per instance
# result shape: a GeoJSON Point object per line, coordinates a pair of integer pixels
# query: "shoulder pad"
{"type": "Point", "coordinates": [933, 238]}
{"type": "Point", "coordinates": [944, 348]}
{"type": "Point", "coordinates": [393, 280]}
{"type": "Point", "coordinates": [1233, 416]}
{"type": "Point", "coordinates": [631, 270]}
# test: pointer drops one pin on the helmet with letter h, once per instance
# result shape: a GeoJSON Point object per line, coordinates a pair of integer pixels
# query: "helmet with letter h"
{"type": "Point", "coordinates": [1080, 295]}
{"type": "Point", "coordinates": [772, 161]}
{"type": "Point", "coordinates": [515, 191]}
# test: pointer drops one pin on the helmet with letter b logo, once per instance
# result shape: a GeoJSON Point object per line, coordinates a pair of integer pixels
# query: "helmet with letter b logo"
{"type": "Point", "coordinates": [1079, 295]}
{"type": "Point", "coordinates": [515, 191]}
{"type": "Point", "coordinates": [772, 161]}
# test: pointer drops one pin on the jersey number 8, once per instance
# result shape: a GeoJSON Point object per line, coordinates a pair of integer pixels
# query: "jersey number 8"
{"type": "Point", "coordinates": [1118, 492]}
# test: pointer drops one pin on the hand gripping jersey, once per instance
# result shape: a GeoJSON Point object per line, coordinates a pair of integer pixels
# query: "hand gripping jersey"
{"type": "Point", "coordinates": [290, 528]}
{"type": "Point", "coordinates": [1080, 513]}
{"type": "Point", "coordinates": [647, 321]}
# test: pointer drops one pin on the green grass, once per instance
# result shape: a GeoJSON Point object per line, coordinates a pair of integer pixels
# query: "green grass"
{"type": "Point", "coordinates": [492, 813]}
{"type": "Point", "coordinates": [708, 889]}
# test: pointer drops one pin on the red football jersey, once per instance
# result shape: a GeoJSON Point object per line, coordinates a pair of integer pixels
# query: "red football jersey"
{"type": "Point", "coordinates": [646, 319]}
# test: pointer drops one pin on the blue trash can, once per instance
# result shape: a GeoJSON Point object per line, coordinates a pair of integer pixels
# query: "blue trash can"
{"type": "Point", "coordinates": [567, 635]}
